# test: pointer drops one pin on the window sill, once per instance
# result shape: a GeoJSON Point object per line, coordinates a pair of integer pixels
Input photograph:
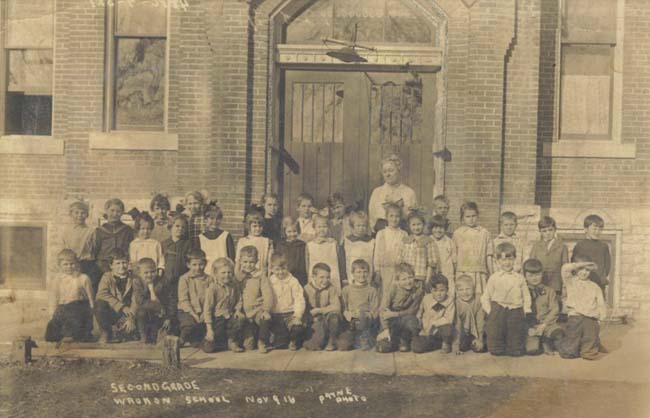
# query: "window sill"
{"type": "Point", "coordinates": [589, 149]}
{"type": "Point", "coordinates": [134, 141]}
{"type": "Point", "coordinates": [30, 144]}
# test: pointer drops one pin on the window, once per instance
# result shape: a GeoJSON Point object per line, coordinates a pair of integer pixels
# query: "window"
{"type": "Point", "coordinates": [317, 112]}
{"type": "Point", "coordinates": [22, 256]}
{"type": "Point", "coordinates": [27, 67]}
{"type": "Point", "coordinates": [589, 92]}
{"type": "Point", "coordinates": [137, 65]}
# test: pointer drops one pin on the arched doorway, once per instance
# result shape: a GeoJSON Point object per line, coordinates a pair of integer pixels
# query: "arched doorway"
{"type": "Point", "coordinates": [337, 120]}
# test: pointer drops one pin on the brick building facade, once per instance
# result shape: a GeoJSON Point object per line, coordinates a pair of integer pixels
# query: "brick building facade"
{"type": "Point", "coordinates": [497, 68]}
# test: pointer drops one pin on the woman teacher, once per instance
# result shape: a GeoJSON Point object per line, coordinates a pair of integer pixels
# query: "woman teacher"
{"type": "Point", "coordinates": [391, 191]}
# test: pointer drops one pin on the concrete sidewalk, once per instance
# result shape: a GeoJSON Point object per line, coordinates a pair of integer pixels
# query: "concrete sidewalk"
{"type": "Point", "coordinates": [628, 360]}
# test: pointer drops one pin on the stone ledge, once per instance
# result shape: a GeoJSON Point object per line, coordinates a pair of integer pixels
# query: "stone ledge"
{"type": "Point", "coordinates": [589, 149]}
{"type": "Point", "coordinates": [30, 144]}
{"type": "Point", "coordinates": [134, 141]}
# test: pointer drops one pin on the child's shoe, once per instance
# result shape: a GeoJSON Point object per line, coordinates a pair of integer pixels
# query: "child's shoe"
{"type": "Point", "coordinates": [446, 347]}
{"type": "Point", "coordinates": [249, 343]}
{"type": "Point", "coordinates": [548, 348]}
{"type": "Point", "coordinates": [261, 347]}
{"type": "Point", "coordinates": [404, 347]}
{"type": "Point", "coordinates": [67, 340]}
{"type": "Point", "coordinates": [293, 346]}
{"type": "Point", "coordinates": [104, 338]}
{"type": "Point", "coordinates": [330, 346]}
{"type": "Point", "coordinates": [602, 349]}
{"type": "Point", "coordinates": [234, 347]}
{"type": "Point", "coordinates": [365, 344]}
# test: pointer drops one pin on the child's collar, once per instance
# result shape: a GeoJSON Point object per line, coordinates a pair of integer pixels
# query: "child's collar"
{"type": "Point", "coordinates": [355, 238]}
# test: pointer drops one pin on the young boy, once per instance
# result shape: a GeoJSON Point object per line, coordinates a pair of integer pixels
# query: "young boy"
{"type": "Point", "coordinates": [358, 245]}
{"type": "Point", "coordinates": [596, 250]}
{"type": "Point", "coordinates": [387, 249]}
{"type": "Point", "coordinates": [398, 315]}
{"type": "Point", "coordinates": [584, 303]}
{"type": "Point", "coordinates": [272, 227]}
{"type": "Point", "coordinates": [552, 252]}
{"type": "Point", "coordinates": [192, 288]}
{"type": "Point", "coordinates": [436, 314]}
{"type": "Point", "coordinates": [288, 305]}
{"type": "Point", "coordinates": [257, 299]}
{"type": "Point", "coordinates": [470, 318]}
{"type": "Point", "coordinates": [542, 322]}
{"type": "Point", "coordinates": [175, 250]}
{"type": "Point", "coordinates": [305, 209]}
{"type": "Point", "coordinates": [506, 300]}
{"type": "Point", "coordinates": [115, 304]}
{"type": "Point", "coordinates": [441, 208]}
{"type": "Point", "coordinates": [508, 233]}
{"type": "Point", "coordinates": [224, 316]}
{"type": "Point", "coordinates": [114, 234]}
{"type": "Point", "coordinates": [446, 250]}
{"type": "Point", "coordinates": [360, 308]}
{"type": "Point", "coordinates": [77, 237]}
{"type": "Point", "coordinates": [71, 302]}
{"type": "Point", "coordinates": [324, 308]}
{"type": "Point", "coordinates": [153, 298]}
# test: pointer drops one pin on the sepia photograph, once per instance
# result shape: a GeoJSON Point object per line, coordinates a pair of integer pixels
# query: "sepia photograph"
{"type": "Point", "coordinates": [325, 208]}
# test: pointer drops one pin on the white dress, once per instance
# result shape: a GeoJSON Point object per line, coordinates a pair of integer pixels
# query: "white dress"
{"type": "Point", "coordinates": [214, 248]}
{"type": "Point", "coordinates": [146, 248]}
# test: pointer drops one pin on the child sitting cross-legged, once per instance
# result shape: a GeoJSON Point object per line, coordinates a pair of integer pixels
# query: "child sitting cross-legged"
{"type": "Point", "coordinates": [223, 313]}
{"type": "Point", "coordinates": [257, 300]}
{"type": "Point", "coordinates": [399, 322]}
{"type": "Point", "coordinates": [153, 296]}
{"type": "Point", "coordinates": [585, 306]}
{"type": "Point", "coordinates": [360, 308]}
{"type": "Point", "coordinates": [436, 315]}
{"type": "Point", "coordinates": [115, 305]}
{"type": "Point", "coordinates": [71, 302]}
{"type": "Point", "coordinates": [542, 322]}
{"type": "Point", "coordinates": [192, 287]}
{"type": "Point", "coordinates": [324, 308]}
{"type": "Point", "coordinates": [506, 300]}
{"type": "Point", "coordinates": [469, 333]}
{"type": "Point", "coordinates": [288, 305]}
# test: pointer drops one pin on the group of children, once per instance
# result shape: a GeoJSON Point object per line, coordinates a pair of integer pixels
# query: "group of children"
{"type": "Point", "coordinates": [325, 281]}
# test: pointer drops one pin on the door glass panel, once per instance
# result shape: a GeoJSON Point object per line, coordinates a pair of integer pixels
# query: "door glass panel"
{"type": "Point", "coordinates": [317, 112]}
{"type": "Point", "coordinates": [395, 112]}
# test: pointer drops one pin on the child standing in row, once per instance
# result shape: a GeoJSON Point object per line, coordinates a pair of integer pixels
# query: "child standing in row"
{"type": "Point", "coordinates": [194, 202]}
{"type": "Point", "coordinates": [358, 245]}
{"type": "Point", "coordinates": [360, 308]}
{"type": "Point", "coordinates": [551, 252]}
{"type": "Point", "coordinates": [255, 226]}
{"type": "Point", "coordinates": [387, 249]}
{"type": "Point", "coordinates": [114, 234]}
{"type": "Point", "coordinates": [71, 302]}
{"type": "Point", "coordinates": [508, 233]}
{"type": "Point", "coordinates": [324, 308]}
{"type": "Point", "coordinates": [306, 230]}
{"type": "Point", "coordinates": [474, 249]}
{"type": "Point", "coordinates": [441, 209]}
{"type": "Point", "coordinates": [594, 249]}
{"type": "Point", "coordinates": [446, 250]}
{"type": "Point", "coordinates": [272, 227]}
{"type": "Point", "coordinates": [324, 249]}
{"type": "Point", "coordinates": [160, 208]}
{"type": "Point", "coordinates": [175, 250]}
{"type": "Point", "coordinates": [506, 301]}
{"type": "Point", "coordinates": [419, 251]}
{"type": "Point", "coordinates": [294, 250]}
{"type": "Point", "coordinates": [143, 246]}
{"type": "Point", "coordinates": [215, 242]}
{"type": "Point", "coordinates": [77, 237]}
{"type": "Point", "coordinates": [338, 217]}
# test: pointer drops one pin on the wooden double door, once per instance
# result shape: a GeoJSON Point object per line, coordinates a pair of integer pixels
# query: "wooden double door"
{"type": "Point", "coordinates": [338, 125]}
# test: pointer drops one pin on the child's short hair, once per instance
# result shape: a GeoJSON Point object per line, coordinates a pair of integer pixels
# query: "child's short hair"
{"type": "Point", "coordinates": [222, 262]}
{"type": "Point", "coordinates": [320, 218]}
{"type": "Point", "coordinates": [269, 195]}
{"type": "Point", "coordinates": [358, 216]}
{"type": "Point", "coordinates": [180, 217]}
{"type": "Point", "coordinates": [359, 264]}
{"type": "Point", "coordinates": [146, 261]}
{"type": "Point", "coordinates": [441, 198]}
{"type": "Point", "coordinates": [439, 279]}
{"type": "Point", "coordinates": [468, 206]}
{"type": "Point", "coordinates": [532, 266]}
{"type": "Point", "coordinates": [414, 214]}
{"type": "Point", "coordinates": [509, 215]}
{"type": "Point", "coordinates": [438, 221]}
{"type": "Point", "coordinates": [249, 251]}
{"type": "Point", "coordinates": [334, 199]}
{"type": "Point", "coordinates": [465, 279]}
{"type": "Point", "coordinates": [546, 222]}
{"type": "Point", "coordinates": [196, 254]}
{"type": "Point", "coordinates": [253, 216]}
{"type": "Point", "coordinates": [288, 222]}
{"type": "Point", "coordinates": [580, 258]}
{"type": "Point", "coordinates": [114, 202]}
{"type": "Point", "coordinates": [594, 220]}
{"type": "Point", "coordinates": [404, 268]}
{"type": "Point", "coordinates": [161, 201]}
{"type": "Point", "coordinates": [304, 196]}
{"type": "Point", "coordinates": [392, 206]}
{"type": "Point", "coordinates": [143, 218]}
{"type": "Point", "coordinates": [320, 267]}
{"type": "Point", "coordinates": [117, 254]}
{"type": "Point", "coordinates": [78, 204]}
{"type": "Point", "coordinates": [213, 211]}
{"type": "Point", "coordinates": [197, 195]}
{"type": "Point", "coordinates": [505, 249]}
{"type": "Point", "coordinates": [67, 254]}
{"type": "Point", "coordinates": [278, 259]}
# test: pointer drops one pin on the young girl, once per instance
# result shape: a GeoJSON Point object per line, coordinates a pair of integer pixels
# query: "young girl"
{"type": "Point", "coordinates": [143, 246]}
{"type": "Point", "coordinates": [111, 235]}
{"type": "Point", "coordinates": [215, 242]}
{"type": "Point", "coordinates": [175, 250]}
{"type": "Point", "coordinates": [294, 250]}
{"type": "Point", "coordinates": [160, 207]}
{"type": "Point", "coordinates": [324, 249]}
{"type": "Point", "coordinates": [194, 202]}
{"type": "Point", "coordinates": [387, 249]}
{"type": "Point", "coordinates": [340, 228]}
{"type": "Point", "coordinates": [358, 245]}
{"type": "Point", "coordinates": [272, 227]}
{"type": "Point", "coordinates": [305, 212]}
{"type": "Point", "coordinates": [255, 224]}
{"type": "Point", "coordinates": [419, 251]}
{"type": "Point", "coordinates": [446, 250]}
{"type": "Point", "coordinates": [474, 250]}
